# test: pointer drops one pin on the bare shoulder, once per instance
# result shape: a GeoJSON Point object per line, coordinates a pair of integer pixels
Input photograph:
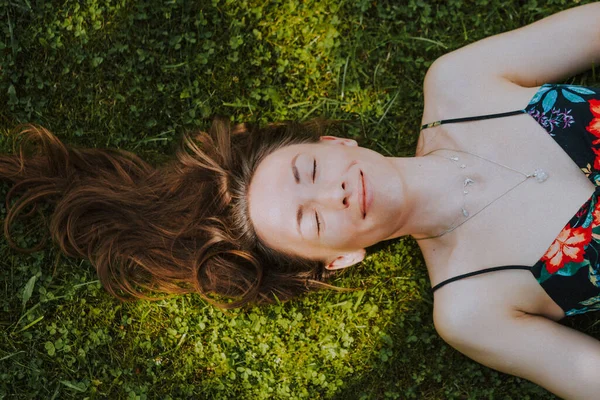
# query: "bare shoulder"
{"type": "Point", "coordinates": [499, 71]}
{"type": "Point", "coordinates": [463, 307]}
{"type": "Point", "coordinates": [456, 316]}
{"type": "Point", "coordinates": [441, 80]}
{"type": "Point", "coordinates": [470, 319]}
{"type": "Point", "coordinates": [451, 90]}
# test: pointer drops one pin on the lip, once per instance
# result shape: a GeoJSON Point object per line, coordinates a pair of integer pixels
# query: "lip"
{"type": "Point", "coordinates": [366, 195]}
{"type": "Point", "coordinates": [362, 196]}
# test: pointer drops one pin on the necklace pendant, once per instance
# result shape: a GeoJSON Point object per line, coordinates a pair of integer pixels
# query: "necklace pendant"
{"type": "Point", "coordinates": [468, 181]}
{"type": "Point", "coordinates": [465, 213]}
{"type": "Point", "coordinates": [540, 175]}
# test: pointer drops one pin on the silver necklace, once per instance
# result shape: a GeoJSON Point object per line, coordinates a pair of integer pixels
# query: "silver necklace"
{"type": "Point", "coordinates": [539, 174]}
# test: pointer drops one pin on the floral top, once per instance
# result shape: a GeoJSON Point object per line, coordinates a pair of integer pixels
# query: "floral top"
{"type": "Point", "coordinates": [570, 270]}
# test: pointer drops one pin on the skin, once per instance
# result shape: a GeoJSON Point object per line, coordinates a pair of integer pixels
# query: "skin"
{"type": "Point", "coordinates": [333, 178]}
{"type": "Point", "coordinates": [327, 188]}
{"type": "Point", "coordinates": [504, 320]}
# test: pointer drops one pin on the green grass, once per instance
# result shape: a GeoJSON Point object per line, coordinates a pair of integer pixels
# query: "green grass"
{"type": "Point", "coordinates": [135, 75]}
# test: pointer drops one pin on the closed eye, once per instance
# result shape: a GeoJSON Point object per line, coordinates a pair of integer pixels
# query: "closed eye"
{"type": "Point", "coordinates": [318, 223]}
{"type": "Point", "coordinates": [314, 169]}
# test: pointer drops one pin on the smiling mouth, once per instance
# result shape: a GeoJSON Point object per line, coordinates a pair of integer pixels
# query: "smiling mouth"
{"type": "Point", "coordinates": [363, 203]}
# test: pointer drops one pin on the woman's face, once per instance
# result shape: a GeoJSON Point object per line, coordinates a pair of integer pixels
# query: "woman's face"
{"type": "Point", "coordinates": [324, 201]}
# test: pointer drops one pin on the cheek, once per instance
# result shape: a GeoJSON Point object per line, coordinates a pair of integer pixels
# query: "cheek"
{"type": "Point", "coordinates": [348, 235]}
{"type": "Point", "coordinates": [342, 229]}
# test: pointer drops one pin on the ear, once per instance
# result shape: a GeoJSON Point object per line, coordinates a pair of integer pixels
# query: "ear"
{"type": "Point", "coordinates": [337, 140]}
{"type": "Point", "coordinates": [346, 260]}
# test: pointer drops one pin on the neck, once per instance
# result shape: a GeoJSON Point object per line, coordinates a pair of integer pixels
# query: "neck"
{"type": "Point", "coordinates": [433, 196]}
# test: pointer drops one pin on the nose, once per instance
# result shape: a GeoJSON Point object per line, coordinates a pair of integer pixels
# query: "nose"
{"type": "Point", "coordinates": [332, 196]}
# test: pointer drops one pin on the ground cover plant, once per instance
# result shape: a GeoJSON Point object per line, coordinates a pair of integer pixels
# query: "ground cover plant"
{"type": "Point", "coordinates": [135, 75]}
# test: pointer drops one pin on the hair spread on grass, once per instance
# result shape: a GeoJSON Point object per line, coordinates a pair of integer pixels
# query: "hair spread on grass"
{"type": "Point", "coordinates": [179, 228]}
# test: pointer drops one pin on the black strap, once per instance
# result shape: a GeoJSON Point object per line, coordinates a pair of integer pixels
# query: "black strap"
{"type": "Point", "coordinates": [475, 118]}
{"type": "Point", "coordinates": [482, 271]}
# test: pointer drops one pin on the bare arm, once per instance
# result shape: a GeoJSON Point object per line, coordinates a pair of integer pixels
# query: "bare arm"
{"type": "Point", "coordinates": [560, 359]}
{"type": "Point", "coordinates": [553, 48]}
{"type": "Point", "coordinates": [460, 83]}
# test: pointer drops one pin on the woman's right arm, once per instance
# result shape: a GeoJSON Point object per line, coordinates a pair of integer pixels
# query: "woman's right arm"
{"type": "Point", "coordinates": [561, 359]}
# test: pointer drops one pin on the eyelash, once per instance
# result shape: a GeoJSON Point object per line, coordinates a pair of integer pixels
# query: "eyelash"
{"type": "Point", "coordinates": [314, 174]}
{"type": "Point", "coordinates": [318, 223]}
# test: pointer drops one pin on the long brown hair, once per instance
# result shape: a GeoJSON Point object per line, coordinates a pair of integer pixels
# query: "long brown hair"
{"type": "Point", "coordinates": [179, 228]}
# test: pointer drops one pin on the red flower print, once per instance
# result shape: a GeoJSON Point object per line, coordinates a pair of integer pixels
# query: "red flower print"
{"type": "Point", "coordinates": [596, 214]}
{"type": "Point", "coordinates": [597, 159]}
{"type": "Point", "coordinates": [595, 107]}
{"type": "Point", "coordinates": [594, 126]}
{"type": "Point", "coordinates": [567, 247]}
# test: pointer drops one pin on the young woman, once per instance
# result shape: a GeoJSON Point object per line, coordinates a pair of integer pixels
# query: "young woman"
{"type": "Point", "coordinates": [503, 203]}
{"type": "Point", "coordinates": [502, 197]}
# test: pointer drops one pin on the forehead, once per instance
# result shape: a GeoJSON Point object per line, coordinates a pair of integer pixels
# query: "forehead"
{"type": "Point", "coordinates": [271, 197]}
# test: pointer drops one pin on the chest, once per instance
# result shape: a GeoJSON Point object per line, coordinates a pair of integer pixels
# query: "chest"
{"type": "Point", "coordinates": [524, 219]}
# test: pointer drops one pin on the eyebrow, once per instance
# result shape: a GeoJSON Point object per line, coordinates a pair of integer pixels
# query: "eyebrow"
{"type": "Point", "coordinates": [297, 179]}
